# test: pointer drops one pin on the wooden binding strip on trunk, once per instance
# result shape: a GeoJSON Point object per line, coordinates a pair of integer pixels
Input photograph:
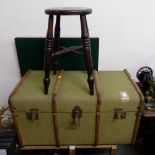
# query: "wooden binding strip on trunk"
{"type": "Point", "coordinates": [54, 107]}
{"type": "Point", "coordinates": [13, 108]}
{"type": "Point", "coordinates": [98, 107]}
{"type": "Point", "coordinates": [140, 108]}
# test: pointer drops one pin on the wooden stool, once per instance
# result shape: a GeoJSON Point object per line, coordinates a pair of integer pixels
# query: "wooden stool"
{"type": "Point", "coordinates": [52, 43]}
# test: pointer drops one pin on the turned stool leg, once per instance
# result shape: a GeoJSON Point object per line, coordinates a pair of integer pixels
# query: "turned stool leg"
{"type": "Point", "coordinates": [48, 50]}
{"type": "Point", "coordinates": [87, 53]}
{"type": "Point", "coordinates": [56, 41]}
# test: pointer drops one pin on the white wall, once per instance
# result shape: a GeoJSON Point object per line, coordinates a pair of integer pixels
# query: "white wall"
{"type": "Point", "coordinates": [126, 29]}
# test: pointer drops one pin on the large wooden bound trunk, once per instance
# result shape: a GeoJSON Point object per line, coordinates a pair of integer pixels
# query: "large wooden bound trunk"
{"type": "Point", "coordinates": [68, 115]}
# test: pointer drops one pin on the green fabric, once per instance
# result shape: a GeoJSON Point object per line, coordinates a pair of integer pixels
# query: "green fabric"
{"type": "Point", "coordinates": [112, 84]}
{"type": "Point", "coordinates": [116, 131]}
{"type": "Point", "coordinates": [30, 53]}
{"type": "Point", "coordinates": [84, 134]}
{"type": "Point", "coordinates": [74, 91]}
{"type": "Point", "coordinates": [37, 132]}
{"type": "Point", "coordinates": [31, 96]}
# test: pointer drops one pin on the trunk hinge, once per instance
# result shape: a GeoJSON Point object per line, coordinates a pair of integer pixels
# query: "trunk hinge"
{"type": "Point", "coordinates": [33, 114]}
{"type": "Point", "coordinates": [119, 113]}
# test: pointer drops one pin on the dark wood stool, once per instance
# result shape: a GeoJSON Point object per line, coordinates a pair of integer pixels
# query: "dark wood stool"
{"type": "Point", "coordinates": [52, 43]}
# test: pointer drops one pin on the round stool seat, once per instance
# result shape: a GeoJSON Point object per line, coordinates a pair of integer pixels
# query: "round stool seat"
{"type": "Point", "coordinates": [68, 11]}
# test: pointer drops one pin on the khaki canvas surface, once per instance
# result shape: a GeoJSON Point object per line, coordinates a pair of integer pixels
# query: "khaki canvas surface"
{"type": "Point", "coordinates": [74, 91]}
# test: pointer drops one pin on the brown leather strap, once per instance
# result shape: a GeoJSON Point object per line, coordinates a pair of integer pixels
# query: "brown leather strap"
{"type": "Point", "coordinates": [54, 107]}
{"type": "Point", "coordinates": [98, 107]}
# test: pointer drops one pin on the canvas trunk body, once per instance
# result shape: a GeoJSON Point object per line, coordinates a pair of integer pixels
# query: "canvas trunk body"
{"type": "Point", "coordinates": [68, 115]}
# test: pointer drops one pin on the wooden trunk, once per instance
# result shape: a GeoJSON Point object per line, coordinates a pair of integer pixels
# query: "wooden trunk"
{"type": "Point", "coordinates": [68, 115]}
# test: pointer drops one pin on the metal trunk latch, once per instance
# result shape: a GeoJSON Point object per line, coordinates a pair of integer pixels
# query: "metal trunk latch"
{"type": "Point", "coordinates": [33, 114]}
{"type": "Point", "coordinates": [119, 113]}
{"type": "Point", "coordinates": [76, 115]}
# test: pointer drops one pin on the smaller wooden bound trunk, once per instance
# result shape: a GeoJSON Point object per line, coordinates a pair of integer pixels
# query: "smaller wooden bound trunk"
{"type": "Point", "coordinates": [68, 115]}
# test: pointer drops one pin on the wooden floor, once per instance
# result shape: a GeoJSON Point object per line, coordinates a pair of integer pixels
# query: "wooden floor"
{"type": "Point", "coordinates": [122, 150]}
{"type": "Point", "coordinates": [65, 152]}
{"type": "Point", "coordinates": [78, 150]}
